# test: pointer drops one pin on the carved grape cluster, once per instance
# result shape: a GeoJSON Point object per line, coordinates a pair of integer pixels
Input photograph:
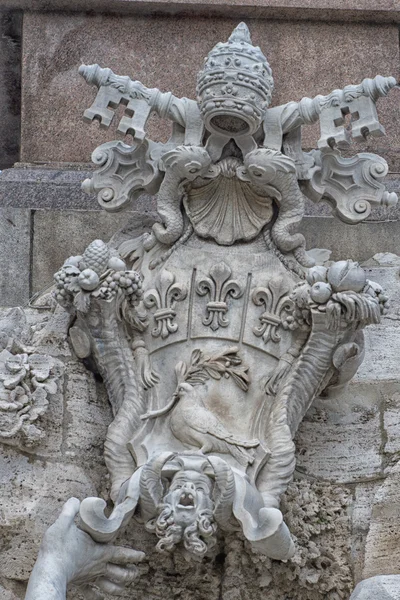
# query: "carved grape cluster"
{"type": "Point", "coordinates": [129, 282]}
{"type": "Point", "coordinates": [65, 280]}
{"type": "Point", "coordinates": [99, 273]}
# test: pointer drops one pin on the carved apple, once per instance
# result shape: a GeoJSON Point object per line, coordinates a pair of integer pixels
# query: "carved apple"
{"type": "Point", "coordinates": [346, 275]}
{"type": "Point", "coordinates": [315, 274]}
{"type": "Point", "coordinates": [321, 292]}
{"type": "Point", "coordinates": [116, 264]}
{"type": "Point", "coordinates": [88, 279]}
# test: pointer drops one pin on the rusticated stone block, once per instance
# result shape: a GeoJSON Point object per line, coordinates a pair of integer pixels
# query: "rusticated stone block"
{"type": "Point", "coordinates": [382, 552]}
{"type": "Point", "coordinates": [346, 431]}
{"type": "Point", "coordinates": [89, 415]}
{"type": "Point", "coordinates": [15, 245]}
{"type": "Point", "coordinates": [10, 87]}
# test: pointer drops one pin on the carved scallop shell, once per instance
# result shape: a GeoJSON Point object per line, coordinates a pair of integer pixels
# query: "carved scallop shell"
{"type": "Point", "coordinates": [225, 208]}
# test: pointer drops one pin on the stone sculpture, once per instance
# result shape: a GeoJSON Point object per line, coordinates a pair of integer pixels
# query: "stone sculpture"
{"type": "Point", "coordinates": [27, 380]}
{"type": "Point", "coordinates": [214, 333]}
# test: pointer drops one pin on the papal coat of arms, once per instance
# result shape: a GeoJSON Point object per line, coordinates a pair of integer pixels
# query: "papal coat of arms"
{"type": "Point", "coordinates": [214, 332]}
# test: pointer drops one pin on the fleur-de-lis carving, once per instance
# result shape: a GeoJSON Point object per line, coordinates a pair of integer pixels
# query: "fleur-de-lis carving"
{"type": "Point", "coordinates": [164, 297]}
{"type": "Point", "coordinates": [219, 287]}
{"type": "Point", "coordinates": [276, 300]}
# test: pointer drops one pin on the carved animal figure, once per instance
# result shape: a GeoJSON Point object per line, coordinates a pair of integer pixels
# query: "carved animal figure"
{"type": "Point", "coordinates": [193, 424]}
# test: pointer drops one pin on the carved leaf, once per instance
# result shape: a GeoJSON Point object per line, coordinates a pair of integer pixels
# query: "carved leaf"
{"type": "Point", "coordinates": [82, 302]}
{"type": "Point", "coordinates": [196, 356]}
{"type": "Point", "coordinates": [180, 371]}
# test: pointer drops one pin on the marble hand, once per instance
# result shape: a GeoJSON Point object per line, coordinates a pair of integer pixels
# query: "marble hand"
{"type": "Point", "coordinates": [68, 555]}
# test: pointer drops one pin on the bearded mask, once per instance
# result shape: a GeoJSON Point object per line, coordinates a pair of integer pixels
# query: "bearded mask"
{"type": "Point", "coordinates": [186, 515]}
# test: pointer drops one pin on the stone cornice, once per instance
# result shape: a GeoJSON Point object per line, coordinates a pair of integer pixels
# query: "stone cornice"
{"type": "Point", "coordinates": [380, 11]}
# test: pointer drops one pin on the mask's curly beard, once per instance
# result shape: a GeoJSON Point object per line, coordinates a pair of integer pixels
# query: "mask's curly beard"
{"type": "Point", "coordinates": [197, 538]}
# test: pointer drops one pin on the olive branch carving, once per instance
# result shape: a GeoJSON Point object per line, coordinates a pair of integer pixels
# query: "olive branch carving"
{"type": "Point", "coordinates": [202, 368]}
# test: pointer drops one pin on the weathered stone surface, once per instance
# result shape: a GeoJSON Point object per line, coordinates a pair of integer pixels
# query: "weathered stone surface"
{"type": "Point", "coordinates": [33, 493]}
{"type": "Point", "coordinates": [7, 594]}
{"type": "Point", "coordinates": [253, 579]}
{"type": "Point", "coordinates": [382, 551]}
{"type": "Point", "coordinates": [87, 420]}
{"type": "Point", "coordinates": [392, 419]}
{"type": "Point", "coordinates": [10, 87]}
{"type": "Point", "coordinates": [54, 231]}
{"type": "Point", "coordinates": [55, 96]}
{"type": "Point", "coordinates": [346, 431]}
{"type": "Point", "coordinates": [383, 341]}
{"type": "Point", "coordinates": [350, 439]}
{"type": "Point", "coordinates": [361, 517]}
{"type": "Point", "coordinates": [45, 188]}
{"type": "Point", "coordinates": [360, 242]}
{"type": "Point", "coordinates": [379, 587]}
{"type": "Point", "coordinates": [318, 516]}
{"type": "Point", "coordinates": [15, 248]}
{"type": "Point", "coordinates": [385, 259]}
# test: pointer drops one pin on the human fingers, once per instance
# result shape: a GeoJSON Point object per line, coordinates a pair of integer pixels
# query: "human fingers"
{"type": "Point", "coordinates": [90, 593]}
{"type": "Point", "coordinates": [110, 587]}
{"type": "Point", "coordinates": [124, 556]}
{"type": "Point", "coordinates": [69, 511]}
{"type": "Point", "coordinates": [121, 575]}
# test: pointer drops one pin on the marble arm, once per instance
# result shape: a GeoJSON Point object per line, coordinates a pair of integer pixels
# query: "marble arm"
{"type": "Point", "coordinates": [68, 555]}
{"type": "Point", "coordinates": [140, 101]}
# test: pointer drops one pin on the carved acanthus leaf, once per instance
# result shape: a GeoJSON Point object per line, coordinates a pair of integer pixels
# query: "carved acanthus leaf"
{"type": "Point", "coordinates": [26, 381]}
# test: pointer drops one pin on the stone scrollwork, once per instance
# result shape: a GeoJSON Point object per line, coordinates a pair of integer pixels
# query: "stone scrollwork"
{"type": "Point", "coordinates": [124, 172]}
{"type": "Point", "coordinates": [351, 185]}
{"type": "Point", "coordinates": [204, 420]}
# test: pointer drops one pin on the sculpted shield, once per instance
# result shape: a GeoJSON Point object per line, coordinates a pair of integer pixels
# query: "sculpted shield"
{"type": "Point", "coordinates": [214, 332]}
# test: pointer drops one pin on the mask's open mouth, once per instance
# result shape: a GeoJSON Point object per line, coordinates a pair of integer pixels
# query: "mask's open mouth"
{"type": "Point", "coordinates": [186, 500]}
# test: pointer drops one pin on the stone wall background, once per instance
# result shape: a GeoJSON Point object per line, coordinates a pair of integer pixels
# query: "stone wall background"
{"type": "Point", "coordinates": [343, 505]}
